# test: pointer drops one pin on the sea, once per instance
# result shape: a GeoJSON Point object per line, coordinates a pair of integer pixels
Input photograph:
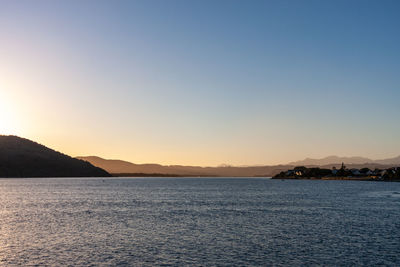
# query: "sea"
{"type": "Point", "coordinates": [198, 222]}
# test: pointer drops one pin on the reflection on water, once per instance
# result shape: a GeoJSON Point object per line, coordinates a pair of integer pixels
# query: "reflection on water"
{"type": "Point", "coordinates": [177, 221]}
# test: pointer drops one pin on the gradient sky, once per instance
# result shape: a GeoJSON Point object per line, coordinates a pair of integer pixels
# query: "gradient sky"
{"type": "Point", "coordinates": [203, 82]}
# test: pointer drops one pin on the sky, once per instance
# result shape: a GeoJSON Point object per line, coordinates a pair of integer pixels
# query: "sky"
{"type": "Point", "coordinates": [203, 82]}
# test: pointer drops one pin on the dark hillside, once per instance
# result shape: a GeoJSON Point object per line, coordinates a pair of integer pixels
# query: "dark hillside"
{"type": "Point", "coordinates": [21, 157]}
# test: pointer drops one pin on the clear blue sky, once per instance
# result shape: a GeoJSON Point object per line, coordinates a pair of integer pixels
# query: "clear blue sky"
{"type": "Point", "coordinates": [203, 82]}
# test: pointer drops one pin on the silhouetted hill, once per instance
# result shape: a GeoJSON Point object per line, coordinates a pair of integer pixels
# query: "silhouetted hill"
{"type": "Point", "coordinates": [120, 166]}
{"type": "Point", "coordinates": [130, 169]}
{"type": "Point", "coordinates": [21, 157]}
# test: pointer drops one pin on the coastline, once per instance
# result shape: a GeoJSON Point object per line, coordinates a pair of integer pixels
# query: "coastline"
{"type": "Point", "coordinates": [336, 178]}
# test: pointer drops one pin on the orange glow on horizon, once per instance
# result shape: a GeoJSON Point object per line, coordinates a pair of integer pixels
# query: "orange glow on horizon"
{"type": "Point", "coordinates": [8, 121]}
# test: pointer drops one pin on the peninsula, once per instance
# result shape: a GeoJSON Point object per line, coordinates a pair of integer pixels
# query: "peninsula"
{"type": "Point", "coordinates": [343, 173]}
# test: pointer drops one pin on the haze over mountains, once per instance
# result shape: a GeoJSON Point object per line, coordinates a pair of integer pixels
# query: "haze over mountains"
{"type": "Point", "coordinates": [21, 157]}
{"type": "Point", "coordinates": [346, 160]}
{"type": "Point", "coordinates": [125, 168]}
{"type": "Point", "coordinates": [119, 167]}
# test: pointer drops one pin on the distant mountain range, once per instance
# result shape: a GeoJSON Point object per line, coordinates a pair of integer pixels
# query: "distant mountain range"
{"type": "Point", "coordinates": [346, 160]}
{"type": "Point", "coordinates": [21, 157]}
{"type": "Point", "coordinates": [122, 168]}
{"type": "Point", "coordinates": [125, 168]}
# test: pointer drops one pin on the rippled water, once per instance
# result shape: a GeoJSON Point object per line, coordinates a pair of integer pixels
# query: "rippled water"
{"type": "Point", "coordinates": [198, 221]}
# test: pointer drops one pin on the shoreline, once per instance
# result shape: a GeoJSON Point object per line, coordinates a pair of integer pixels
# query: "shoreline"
{"type": "Point", "coordinates": [337, 179]}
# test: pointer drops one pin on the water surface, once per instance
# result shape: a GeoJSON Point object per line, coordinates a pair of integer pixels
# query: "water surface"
{"type": "Point", "coordinates": [198, 222]}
